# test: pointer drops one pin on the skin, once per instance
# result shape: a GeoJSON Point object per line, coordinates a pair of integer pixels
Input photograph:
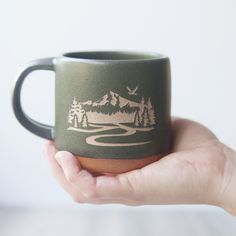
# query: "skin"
{"type": "Point", "coordinates": [199, 170]}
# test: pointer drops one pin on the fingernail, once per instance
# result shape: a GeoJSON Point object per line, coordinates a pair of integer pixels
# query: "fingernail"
{"type": "Point", "coordinates": [59, 156]}
{"type": "Point", "coordinates": [62, 155]}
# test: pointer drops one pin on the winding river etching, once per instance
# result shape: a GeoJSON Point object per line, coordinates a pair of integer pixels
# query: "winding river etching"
{"type": "Point", "coordinates": [93, 139]}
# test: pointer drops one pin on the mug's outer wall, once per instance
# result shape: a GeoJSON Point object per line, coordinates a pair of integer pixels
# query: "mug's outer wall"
{"type": "Point", "coordinates": [81, 87]}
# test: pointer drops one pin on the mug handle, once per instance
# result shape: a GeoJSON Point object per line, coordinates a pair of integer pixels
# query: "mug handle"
{"type": "Point", "coordinates": [42, 130]}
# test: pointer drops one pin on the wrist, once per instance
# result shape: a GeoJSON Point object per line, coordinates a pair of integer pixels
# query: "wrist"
{"type": "Point", "coordinates": [227, 189]}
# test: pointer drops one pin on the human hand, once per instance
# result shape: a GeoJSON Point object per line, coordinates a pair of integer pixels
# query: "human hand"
{"type": "Point", "coordinates": [199, 170]}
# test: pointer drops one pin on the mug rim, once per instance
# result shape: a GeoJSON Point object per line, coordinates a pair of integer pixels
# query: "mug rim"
{"type": "Point", "coordinates": [113, 56]}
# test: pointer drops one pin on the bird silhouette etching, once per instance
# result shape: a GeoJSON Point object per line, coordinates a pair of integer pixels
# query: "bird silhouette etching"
{"type": "Point", "coordinates": [132, 92]}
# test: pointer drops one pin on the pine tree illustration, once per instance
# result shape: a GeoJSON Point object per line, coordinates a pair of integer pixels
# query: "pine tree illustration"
{"type": "Point", "coordinates": [84, 121]}
{"type": "Point", "coordinates": [151, 112]}
{"type": "Point", "coordinates": [142, 105]}
{"type": "Point", "coordinates": [142, 100]}
{"type": "Point", "coordinates": [75, 113]}
{"type": "Point", "coordinates": [145, 118]}
{"type": "Point", "coordinates": [74, 110]}
{"type": "Point", "coordinates": [136, 119]}
{"type": "Point", "coordinates": [75, 123]}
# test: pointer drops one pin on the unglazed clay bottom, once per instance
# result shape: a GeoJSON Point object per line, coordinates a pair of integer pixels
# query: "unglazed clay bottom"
{"type": "Point", "coordinates": [115, 166]}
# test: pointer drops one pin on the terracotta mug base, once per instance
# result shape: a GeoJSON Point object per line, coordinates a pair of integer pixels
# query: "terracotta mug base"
{"type": "Point", "coordinates": [98, 166]}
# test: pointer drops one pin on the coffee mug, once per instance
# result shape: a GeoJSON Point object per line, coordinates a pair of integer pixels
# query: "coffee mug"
{"type": "Point", "coordinates": [112, 108]}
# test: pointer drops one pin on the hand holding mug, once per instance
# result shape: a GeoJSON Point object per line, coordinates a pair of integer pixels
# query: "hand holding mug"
{"type": "Point", "coordinates": [200, 170]}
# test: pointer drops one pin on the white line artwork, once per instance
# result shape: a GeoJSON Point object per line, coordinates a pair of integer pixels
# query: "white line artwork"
{"type": "Point", "coordinates": [120, 116]}
{"type": "Point", "coordinates": [132, 92]}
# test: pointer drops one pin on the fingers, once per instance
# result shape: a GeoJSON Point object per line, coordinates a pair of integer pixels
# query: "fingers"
{"type": "Point", "coordinates": [69, 164]}
{"type": "Point", "coordinates": [67, 172]}
{"type": "Point", "coordinates": [83, 187]}
{"type": "Point", "coordinates": [102, 189]}
{"type": "Point", "coordinates": [80, 179]}
{"type": "Point", "coordinates": [50, 151]}
{"type": "Point", "coordinates": [124, 186]}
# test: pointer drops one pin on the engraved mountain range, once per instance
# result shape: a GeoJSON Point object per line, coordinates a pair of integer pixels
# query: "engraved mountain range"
{"type": "Point", "coordinates": [112, 113]}
{"type": "Point", "coordinates": [111, 103]}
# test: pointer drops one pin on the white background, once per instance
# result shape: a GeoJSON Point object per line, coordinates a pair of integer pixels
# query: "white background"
{"type": "Point", "coordinates": [198, 36]}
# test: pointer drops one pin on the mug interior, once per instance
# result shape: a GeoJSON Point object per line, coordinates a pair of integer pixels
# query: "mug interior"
{"type": "Point", "coordinates": [113, 55]}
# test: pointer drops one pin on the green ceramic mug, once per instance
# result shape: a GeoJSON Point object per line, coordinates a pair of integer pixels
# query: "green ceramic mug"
{"type": "Point", "coordinates": [112, 108]}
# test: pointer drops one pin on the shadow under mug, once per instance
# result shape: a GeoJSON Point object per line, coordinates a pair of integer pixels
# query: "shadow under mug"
{"type": "Point", "coordinates": [112, 108]}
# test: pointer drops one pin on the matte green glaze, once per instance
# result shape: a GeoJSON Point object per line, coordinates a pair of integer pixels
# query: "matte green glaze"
{"type": "Point", "coordinates": [112, 104]}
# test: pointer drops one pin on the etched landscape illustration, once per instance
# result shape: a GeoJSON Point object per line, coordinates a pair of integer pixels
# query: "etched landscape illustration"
{"type": "Point", "coordinates": [113, 120]}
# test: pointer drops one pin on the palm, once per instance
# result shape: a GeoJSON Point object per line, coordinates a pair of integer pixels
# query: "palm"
{"type": "Point", "coordinates": [187, 175]}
